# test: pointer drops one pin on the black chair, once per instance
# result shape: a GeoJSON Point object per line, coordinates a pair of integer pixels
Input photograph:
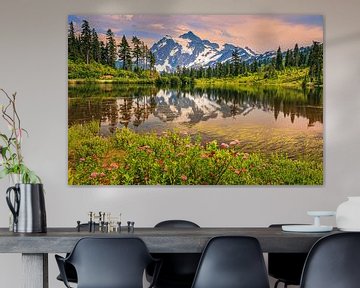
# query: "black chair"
{"type": "Point", "coordinates": [286, 267]}
{"type": "Point", "coordinates": [178, 269]}
{"type": "Point", "coordinates": [108, 263]}
{"type": "Point", "coordinates": [333, 262]}
{"type": "Point", "coordinates": [232, 262]}
{"type": "Point", "coordinates": [69, 269]}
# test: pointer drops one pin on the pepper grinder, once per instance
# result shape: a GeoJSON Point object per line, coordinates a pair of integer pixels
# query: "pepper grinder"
{"type": "Point", "coordinates": [78, 226]}
{"type": "Point", "coordinates": [90, 221]}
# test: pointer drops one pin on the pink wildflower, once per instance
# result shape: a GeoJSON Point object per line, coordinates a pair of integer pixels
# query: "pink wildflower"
{"type": "Point", "coordinates": [82, 159]}
{"type": "Point", "coordinates": [224, 146]}
{"type": "Point", "coordinates": [234, 143]}
{"type": "Point", "coordinates": [114, 165]}
{"type": "Point", "coordinates": [93, 174]}
{"type": "Point", "coordinates": [240, 171]}
{"type": "Point", "coordinates": [183, 177]}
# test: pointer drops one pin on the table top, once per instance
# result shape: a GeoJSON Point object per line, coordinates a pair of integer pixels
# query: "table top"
{"type": "Point", "coordinates": [158, 240]}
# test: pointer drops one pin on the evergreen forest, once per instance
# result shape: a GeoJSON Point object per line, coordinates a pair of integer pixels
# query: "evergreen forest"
{"type": "Point", "coordinates": [132, 61]}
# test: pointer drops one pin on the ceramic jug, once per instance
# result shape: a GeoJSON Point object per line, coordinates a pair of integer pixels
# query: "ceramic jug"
{"type": "Point", "coordinates": [348, 215]}
{"type": "Point", "coordinates": [27, 207]}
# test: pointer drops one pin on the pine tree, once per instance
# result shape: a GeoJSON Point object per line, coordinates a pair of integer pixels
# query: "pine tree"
{"type": "Point", "coordinates": [235, 60]}
{"type": "Point", "coordinates": [152, 61]}
{"type": "Point", "coordinates": [254, 66]}
{"type": "Point", "coordinates": [103, 53]}
{"type": "Point", "coordinates": [243, 68]}
{"type": "Point", "coordinates": [136, 52]}
{"type": "Point", "coordinates": [287, 58]}
{"type": "Point", "coordinates": [86, 41]}
{"type": "Point", "coordinates": [279, 60]}
{"type": "Point", "coordinates": [95, 46]}
{"type": "Point", "coordinates": [209, 72]}
{"type": "Point", "coordinates": [296, 56]}
{"type": "Point", "coordinates": [125, 53]}
{"type": "Point", "coordinates": [316, 62]}
{"type": "Point", "coordinates": [72, 43]}
{"type": "Point", "coordinates": [291, 58]}
{"type": "Point", "coordinates": [302, 60]}
{"type": "Point", "coordinates": [144, 55]}
{"type": "Point", "coordinates": [111, 48]}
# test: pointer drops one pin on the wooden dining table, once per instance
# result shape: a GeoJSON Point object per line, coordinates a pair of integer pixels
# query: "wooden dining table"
{"type": "Point", "coordinates": [35, 247]}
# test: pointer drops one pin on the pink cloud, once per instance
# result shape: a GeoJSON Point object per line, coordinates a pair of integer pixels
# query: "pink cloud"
{"type": "Point", "coordinates": [260, 32]}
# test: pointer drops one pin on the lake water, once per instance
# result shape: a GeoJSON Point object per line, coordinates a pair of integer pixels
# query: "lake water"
{"type": "Point", "coordinates": [263, 119]}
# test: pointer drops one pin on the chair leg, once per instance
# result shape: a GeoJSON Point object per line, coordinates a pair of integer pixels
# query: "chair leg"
{"type": "Point", "coordinates": [279, 281]}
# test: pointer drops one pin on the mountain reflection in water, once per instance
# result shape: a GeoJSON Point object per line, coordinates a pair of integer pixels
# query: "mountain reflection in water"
{"type": "Point", "coordinates": [260, 118]}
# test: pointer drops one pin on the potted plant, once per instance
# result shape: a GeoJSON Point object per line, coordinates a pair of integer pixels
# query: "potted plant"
{"type": "Point", "coordinates": [12, 161]}
{"type": "Point", "coordinates": [26, 198]}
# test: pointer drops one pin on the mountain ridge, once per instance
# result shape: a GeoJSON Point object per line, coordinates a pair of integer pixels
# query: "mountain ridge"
{"type": "Point", "coordinates": [190, 51]}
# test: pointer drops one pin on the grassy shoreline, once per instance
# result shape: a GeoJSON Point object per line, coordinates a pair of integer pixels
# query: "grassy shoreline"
{"type": "Point", "coordinates": [97, 73]}
{"type": "Point", "coordinates": [112, 81]}
{"type": "Point", "coordinates": [290, 78]}
{"type": "Point", "coordinates": [128, 158]}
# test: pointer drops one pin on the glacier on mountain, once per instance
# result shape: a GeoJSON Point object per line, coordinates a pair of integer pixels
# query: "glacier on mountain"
{"type": "Point", "coordinates": [190, 51]}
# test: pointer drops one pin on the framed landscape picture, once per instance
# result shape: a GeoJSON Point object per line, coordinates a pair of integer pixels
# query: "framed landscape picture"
{"type": "Point", "coordinates": [195, 100]}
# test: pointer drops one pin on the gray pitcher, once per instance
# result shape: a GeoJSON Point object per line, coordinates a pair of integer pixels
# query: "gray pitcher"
{"type": "Point", "coordinates": [28, 208]}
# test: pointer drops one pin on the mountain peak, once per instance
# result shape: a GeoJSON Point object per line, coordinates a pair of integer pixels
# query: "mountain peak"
{"type": "Point", "coordinates": [191, 36]}
{"type": "Point", "coordinates": [190, 51]}
{"type": "Point", "coordinates": [250, 51]}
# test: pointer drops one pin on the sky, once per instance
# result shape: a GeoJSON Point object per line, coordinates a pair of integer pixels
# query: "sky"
{"type": "Point", "coordinates": [259, 32]}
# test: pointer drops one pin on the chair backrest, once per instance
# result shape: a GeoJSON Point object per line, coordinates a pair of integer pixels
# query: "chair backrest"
{"type": "Point", "coordinates": [232, 262]}
{"type": "Point", "coordinates": [110, 262]}
{"type": "Point", "coordinates": [177, 267]}
{"type": "Point", "coordinates": [176, 224]}
{"type": "Point", "coordinates": [333, 262]}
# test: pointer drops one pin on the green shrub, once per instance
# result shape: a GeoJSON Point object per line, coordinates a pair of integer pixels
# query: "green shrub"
{"type": "Point", "coordinates": [175, 81]}
{"type": "Point", "coordinates": [84, 141]}
{"type": "Point", "coordinates": [176, 159]}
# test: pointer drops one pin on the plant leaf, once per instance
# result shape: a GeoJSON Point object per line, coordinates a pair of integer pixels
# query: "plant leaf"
{"type": "Point", "coordinates": [4, 173]}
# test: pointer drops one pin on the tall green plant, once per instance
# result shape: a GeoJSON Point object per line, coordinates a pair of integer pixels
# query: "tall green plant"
{"type": "Point", "coordinates": [12, 161]}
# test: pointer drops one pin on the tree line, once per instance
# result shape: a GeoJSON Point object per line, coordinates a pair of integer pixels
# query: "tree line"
{"type": "Point", "coordinates": [86, 47]}
{"type": "Point", "coordinates": [311, 57]}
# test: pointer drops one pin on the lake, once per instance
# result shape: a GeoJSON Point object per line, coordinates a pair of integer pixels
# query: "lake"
{"type": "Point", "coordinates": [263, 119]}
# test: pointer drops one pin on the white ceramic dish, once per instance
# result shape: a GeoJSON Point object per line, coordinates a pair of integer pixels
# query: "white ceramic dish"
{"type": "Point", "coordinates": [321, 213]}
{"type": "Point", "coordinates": [306, 228]}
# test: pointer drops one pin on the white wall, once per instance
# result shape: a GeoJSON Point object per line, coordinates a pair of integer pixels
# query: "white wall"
{"type": "Point", "coordinates": [33, 62]}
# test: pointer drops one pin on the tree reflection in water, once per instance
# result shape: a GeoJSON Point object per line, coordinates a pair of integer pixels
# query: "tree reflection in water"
{"type": "Point", "coordinates": [207, 110]}
{"type": "Point", "coordinates": [126, 104]}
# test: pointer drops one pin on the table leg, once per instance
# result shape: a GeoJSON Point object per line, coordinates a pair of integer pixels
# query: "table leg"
{"type": "Point", "coordinates": [35, 270]}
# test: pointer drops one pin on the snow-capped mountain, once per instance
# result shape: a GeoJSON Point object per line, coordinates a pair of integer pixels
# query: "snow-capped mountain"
{"type": "Point", "coordinates": [189, 50]}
